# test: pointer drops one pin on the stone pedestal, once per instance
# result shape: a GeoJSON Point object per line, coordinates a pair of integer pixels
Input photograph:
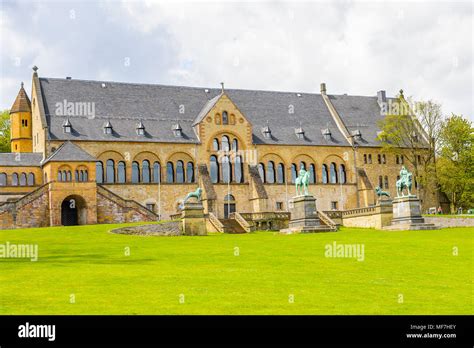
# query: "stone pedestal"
{"type": "Point", "coordinates": [407, 215]}
{"type": "Point", "coordinates": [193, 222]}
{"type": "Point", "coordinates": [383, 213]}
{"type": "Point", "coordinates": [304, 216]}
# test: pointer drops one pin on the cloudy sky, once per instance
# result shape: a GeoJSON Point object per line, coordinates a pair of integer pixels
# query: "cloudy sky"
{"type": "Point", "coordinates": [425, 48]}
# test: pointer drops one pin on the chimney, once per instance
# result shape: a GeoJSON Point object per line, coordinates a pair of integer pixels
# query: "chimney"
{"type": "Point", "coordinates": [323, 88]}
{"type": "Point", "coordinates": [381, 98]}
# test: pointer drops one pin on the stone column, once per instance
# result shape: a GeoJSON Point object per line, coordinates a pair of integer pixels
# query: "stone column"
{"type": "Point", "coordinates": [193, 220]}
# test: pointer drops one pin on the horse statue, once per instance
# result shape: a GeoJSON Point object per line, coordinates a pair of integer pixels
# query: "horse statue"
{"type": "Point", "coordinates": [405, 181]}
{"type": "Point", "coordinates": [381, 193]}
{"type": "Point", "coordinates": [302, 182]}
{"type": "Point", "coordinates": [196, 194]}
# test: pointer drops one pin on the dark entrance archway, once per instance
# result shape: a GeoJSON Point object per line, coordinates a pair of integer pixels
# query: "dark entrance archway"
{"type": "Point", "coordinates": [229, 205]}
{"type": "Point", "coordinates": [73, 211]}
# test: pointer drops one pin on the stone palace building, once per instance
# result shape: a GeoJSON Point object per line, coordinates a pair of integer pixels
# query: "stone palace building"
{"type": "Point", "coordinates": [86, 152]}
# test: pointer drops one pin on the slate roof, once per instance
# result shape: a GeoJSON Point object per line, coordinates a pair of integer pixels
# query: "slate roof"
{"type": "Point", "coordinates": [69, 152]}
{"type": "Point", "coordinates": [25, 159]}
{"type": "Point", "coordinates": [158, 108]}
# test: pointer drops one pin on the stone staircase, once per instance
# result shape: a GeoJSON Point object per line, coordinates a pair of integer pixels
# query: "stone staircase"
{"type": "Point", "coordinates": [232, 226]}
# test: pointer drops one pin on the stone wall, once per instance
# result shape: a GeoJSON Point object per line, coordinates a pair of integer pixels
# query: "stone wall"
{"type": "Point", "coordinates": [450, 222]}
{"type": "Point", "coordinates": [112, 208]}
{"type": "Point", "coordinates": [377, 216]}
{"type": "Point", "coordinates": [31, 210]}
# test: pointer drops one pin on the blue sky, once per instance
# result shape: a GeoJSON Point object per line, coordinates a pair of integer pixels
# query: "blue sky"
{"type": "Point", "coordinates": [355, 47]}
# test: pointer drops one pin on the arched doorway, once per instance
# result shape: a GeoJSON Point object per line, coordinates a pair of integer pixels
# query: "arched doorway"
{"type": "Point", "coordinates": [73, 211]}
{"type": "Point", "coordinates": [229, 205]}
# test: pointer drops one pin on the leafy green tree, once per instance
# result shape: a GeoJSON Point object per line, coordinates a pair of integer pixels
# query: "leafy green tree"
{"type": "Point", "coordinates": [5, 131]}
{"type": "Point", "coordinates": [456, 162]}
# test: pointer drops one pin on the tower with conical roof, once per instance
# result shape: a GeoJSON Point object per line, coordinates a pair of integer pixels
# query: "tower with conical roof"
{"type": "Point", "coordinates": [21, 127]}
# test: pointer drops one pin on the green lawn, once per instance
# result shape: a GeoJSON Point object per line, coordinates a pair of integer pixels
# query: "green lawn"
{"type": "Point", "coordinates": [90, 263]}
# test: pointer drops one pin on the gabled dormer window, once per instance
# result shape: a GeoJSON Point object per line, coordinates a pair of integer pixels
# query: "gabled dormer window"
{"type": "Point", "coordinates": [67, 127]}
{"type": "Point", "coordinates": [299, 132]}
{"type": "Point", "coordinates": [326, 134]}
{"type": "Point", "coordinates": [140, 128]}
{"type": "Point", "coordinates": [267, 132]}
{"type": "Point", "coordinates": [108, 128]}
{"type": "Point", "coordinates": [177, 130]}
{"type": "Point", "coordinates": [356, 134]}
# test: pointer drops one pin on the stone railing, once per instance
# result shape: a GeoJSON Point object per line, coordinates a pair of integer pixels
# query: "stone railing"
{"type": "Point", "coordinates": [127, 203]}
{"type": "Point", "coordinates": [359, 211]}
{"type": "Point", "coordinates": [29, 197]}
{"type": "Point", "coordinates": [176, 216]}
{"type": "Point", "coordinates": [327, 220]}
{"type": "Point", "coordinates": [333, 214]}
{"type": "Point", "coordinates": [248, 227]}
{"type": "Point", "coordinates": [258, 216]}
{"type": "Point", "coordinates": [216, 222]}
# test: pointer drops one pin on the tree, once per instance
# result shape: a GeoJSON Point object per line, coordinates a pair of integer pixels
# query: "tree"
{"type": "Point", "coordinates": [413, 135]}
{"type": "Point", "coordinates": [5, 131]}
{"type": "Point", "coordinates": [456, 162]}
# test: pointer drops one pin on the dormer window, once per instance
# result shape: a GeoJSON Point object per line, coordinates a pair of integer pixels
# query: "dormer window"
{"type": "Point", "coordinates": [177, 130]}
{"type": "Point", "coordinates": [67, 127]}
{"type": "Point", "coordinates": [299, 132]}
{"type": "Point", "coordinates": [326, 134]}
{"type": "Point", "coordinates": [267, 133]}
{"type": "Point", "coordinates": [108, 128]}
{"type": "Point", "coordinates": [140, 128]}
{"type": "Point", "coordinates": [356, 134]}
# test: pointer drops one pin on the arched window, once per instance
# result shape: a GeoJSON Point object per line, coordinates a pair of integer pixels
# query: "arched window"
{"type": "Point", "coordinates": [332, 173]}
{"type": "Point", "coordinates": [386, 182]}
{"type": "Point", "coordinates": [60, 176]}
{"type": "Point", "coordinates": [99, 172]}
{"type": "Point", "coordinates": [121, 176]}
{"type": "Point", "coordinates": [225, 117]}
{"type": "Point", "coordinates": [135, 173]}
{"type": "Point", "coordinates": [214, 170]}
{"type": "Point", "coordinates": [86, 176]}
{"type": "Point", "coordinates": [302, 165]}
{"type": "Point", "coordinates": [14, 179]}
{"type": "Point", "coordinates": [110, 171]}
{"type": "Point", "coordinates": [215, 145]}
{"type": "Point", "coordinates": [156, 172]}
{"type": "Point", "coordinates": [280, 173]}
{"type": "Point", "coordinates": [226, 169]}
{"type": "Point", "coordinates": [312, 174]}
{"type": "Point", "coordinates": [271, 172]}
{"type": "Point", "coordinates": [31, 179]}
{"type": "Point", "coordinates": [63, 176]}
{"type": "Point", "coordinates": [294, 173]}
{"type": "Point", "coordinates": [146, 171]}
{"type": "Point", "coordinates": [324, 174]}
{"type": "Point", "coordinates": [384, 159]}
{"type": "Point", "coordinates": [229, 197]}
{"type": "Point", "coordinates": [379, 159]}
{"type": "Point", "coordinates": [169, 172]}
{"type": "Point", "coordinates": [225, 143]}
{"type": "Point", "coordinates": [365, 158]}
{"type": "Point", "coordinates": [68, 176]}
{"type": "Point", "coordinates": [180, 172]}
{"type": "Point", "coordinates": [238, 170]}
{"type": "Point", "coordinates": [261, 171]}
{"type": "Point", "coordinates": [397, 159]}
{"type": "Point", "coordinates": [76, 175]}
{"type": "Point", "coordinates": [23, 179]}
{"type": "Point", "coordinates": [380, 181]}
{"type": "Point", "coordinates": [190, 172]}
{"type": "Point", "coordinates": [3, 179]}
{"type": "Point", "coordinates": [370, 158]}
{"type": "Point", "coordinates": [342, 174]}
{"type": "Point", "coordinates": [235, 145]}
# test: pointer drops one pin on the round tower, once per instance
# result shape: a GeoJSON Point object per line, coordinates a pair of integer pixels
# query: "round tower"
{"type": "Point", "coordinates": [21, 126]}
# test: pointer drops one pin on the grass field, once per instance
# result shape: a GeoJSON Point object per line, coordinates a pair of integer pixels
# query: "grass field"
{"type": "Point", "coordinates": [271, 273]}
